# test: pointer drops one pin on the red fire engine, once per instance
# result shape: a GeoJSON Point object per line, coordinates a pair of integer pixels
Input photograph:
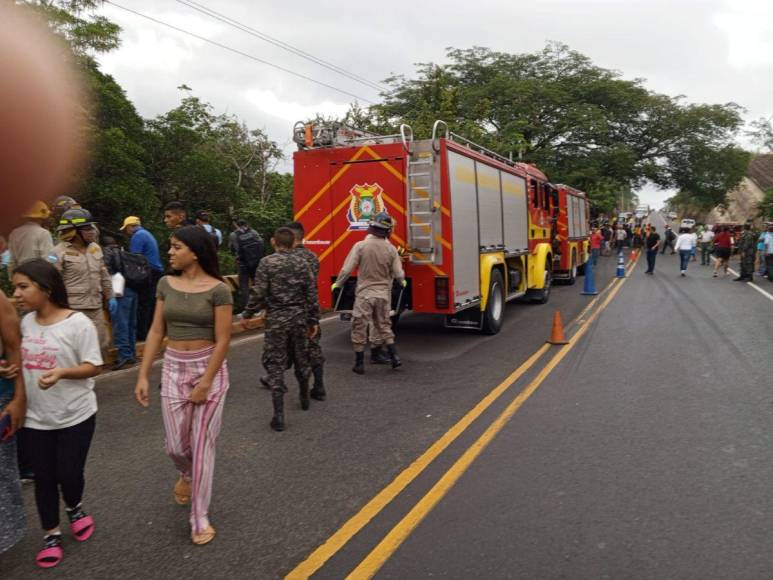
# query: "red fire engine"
{"type": "Point", "coordinates": [571, 248]}
{"type": "Point", "coordinates": [475, 229]}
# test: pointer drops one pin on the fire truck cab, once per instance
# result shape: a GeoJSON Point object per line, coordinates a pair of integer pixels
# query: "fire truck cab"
{"type": "Point", "coordinates": [475, 229]}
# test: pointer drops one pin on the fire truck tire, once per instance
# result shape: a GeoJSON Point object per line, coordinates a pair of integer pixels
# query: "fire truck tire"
{"type": "Point", "coordinates": [542, 296]}
{"type": "Point", "coordinates": [495, 307]}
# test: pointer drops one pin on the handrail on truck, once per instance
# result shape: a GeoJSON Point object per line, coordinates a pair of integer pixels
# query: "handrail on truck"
{"type": "Point", "coordinates": [406, 133]}
{"type": "Point", "coordinates": [469, 144]}
{"type": "Point", "coordinates": [437, 124]}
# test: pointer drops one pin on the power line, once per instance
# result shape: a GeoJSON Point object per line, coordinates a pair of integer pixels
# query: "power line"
{"type": "Point", "coordinates": [239, 52]}
{"type": "Point", "coordinates": [281, 44]}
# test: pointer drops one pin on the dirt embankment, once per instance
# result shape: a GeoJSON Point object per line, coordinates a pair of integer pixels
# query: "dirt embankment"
{"type": "Point", "coordinates": [744, 200]}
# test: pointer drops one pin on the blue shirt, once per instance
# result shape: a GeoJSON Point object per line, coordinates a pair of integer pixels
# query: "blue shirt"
{"type": "Point", "coordinates": [769, 242]}
{"type": "Point", "coordinates": [144, 243]}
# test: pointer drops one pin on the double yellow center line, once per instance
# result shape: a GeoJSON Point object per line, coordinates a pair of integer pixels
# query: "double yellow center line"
{"type": "Point", "coordinates": [392, 541]}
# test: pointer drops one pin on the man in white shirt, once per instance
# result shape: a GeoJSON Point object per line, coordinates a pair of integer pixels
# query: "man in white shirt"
{"type": "Point", "coordinates": [685, 244]}
{"type": "Point", "coordinates": [706, 243]}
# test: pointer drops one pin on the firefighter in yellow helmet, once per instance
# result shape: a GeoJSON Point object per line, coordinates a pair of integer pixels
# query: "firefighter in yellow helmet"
{"type": "Point", "coordinates": [79, 259]}
{"type": "Point", "coordinates": [31, 240]}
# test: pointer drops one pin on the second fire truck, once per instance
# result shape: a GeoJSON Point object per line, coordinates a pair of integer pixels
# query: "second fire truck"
{"type": "Point", "coordinates": [475, 229]}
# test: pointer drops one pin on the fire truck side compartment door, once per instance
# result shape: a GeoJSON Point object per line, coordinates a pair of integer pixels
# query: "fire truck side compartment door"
{"type": "Point", "coordinates": [516, 216]}
{"type": "Point", "coordinates": [489, 207]}
{"type": "Point", "coordinates": [464, 224]}
{"type": "Point", "coordinates": [571, 218]}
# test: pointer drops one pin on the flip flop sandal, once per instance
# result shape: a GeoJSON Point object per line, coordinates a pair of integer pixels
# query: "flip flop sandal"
{"type": "Point", "coordinates": [182, 492]}
{"type": "Point", "coordinates": [82, 528]}
{"type": "Point", "coordinates": [51, 554]}
{"type": "Point", "coordinates": [204, 537]}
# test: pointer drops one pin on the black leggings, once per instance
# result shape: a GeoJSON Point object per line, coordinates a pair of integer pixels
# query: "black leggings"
{"type": "Point", "coordinates": [58, 457]}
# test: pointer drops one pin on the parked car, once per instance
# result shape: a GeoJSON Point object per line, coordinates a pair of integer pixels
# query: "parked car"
{"type": "Point", "coordinates": [687, 223]}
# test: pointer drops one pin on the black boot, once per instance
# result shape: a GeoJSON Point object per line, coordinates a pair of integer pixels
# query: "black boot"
{"type": "Point", "coordinates": [377, 356]}
{"type": "Point", "coordinates": [278, 421]}
{"type": "Point", "coordinates": [359, 363]}
{"type": "Point", "coordinates": [304, 386]}
{"type": "Point", "coordinates": [318, 392]}
{"type": "Point", "coordinates": [396, 362]}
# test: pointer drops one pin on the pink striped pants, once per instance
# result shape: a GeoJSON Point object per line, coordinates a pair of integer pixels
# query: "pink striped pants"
{"type": "Point", "coordinates": [191, 430]}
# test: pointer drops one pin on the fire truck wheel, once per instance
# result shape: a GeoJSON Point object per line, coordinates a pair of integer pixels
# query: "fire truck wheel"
{"type": "Point", "coordinates": [542, 296]}
{"type": "Point", "coordinates": [495, 307]}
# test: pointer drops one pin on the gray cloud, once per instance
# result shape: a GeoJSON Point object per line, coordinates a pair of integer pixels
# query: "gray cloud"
{"type": "Point", "coordinates": [709, 51]}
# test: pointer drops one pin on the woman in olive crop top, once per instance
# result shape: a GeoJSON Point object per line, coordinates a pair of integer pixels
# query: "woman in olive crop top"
{"type": "Point", "coordinates": [194, 310]}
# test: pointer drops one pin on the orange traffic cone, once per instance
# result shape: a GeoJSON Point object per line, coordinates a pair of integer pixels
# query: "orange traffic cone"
{"type": "Point", "coordinates": [557, 334]}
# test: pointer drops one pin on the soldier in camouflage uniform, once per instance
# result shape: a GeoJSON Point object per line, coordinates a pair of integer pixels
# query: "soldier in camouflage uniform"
{"type": "Point", "coordinates": [285, 288]}
{"type": "Point", "coordinates": [747, 246]}
{"type": "Point", "coordinates": [316, 358]}
{"type": "Point", "coordinates": [378, 264]}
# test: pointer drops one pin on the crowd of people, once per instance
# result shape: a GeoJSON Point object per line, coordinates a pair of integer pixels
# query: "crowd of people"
{"type": "Point", "coordinates": [755, 249]}
{"type": "Point", "coordinates": [51, 356]}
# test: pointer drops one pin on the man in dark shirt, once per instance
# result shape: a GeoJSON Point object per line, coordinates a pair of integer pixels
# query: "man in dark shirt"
{"type": "Point", "coordinates": [652, 243]}
{"type": "Point", "coordinates": [176, 216]}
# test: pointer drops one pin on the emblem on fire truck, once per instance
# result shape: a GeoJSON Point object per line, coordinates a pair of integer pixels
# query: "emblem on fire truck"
{"type": "Point", "coordinates": [366, 202]}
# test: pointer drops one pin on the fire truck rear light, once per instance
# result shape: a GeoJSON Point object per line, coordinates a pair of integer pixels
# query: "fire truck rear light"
{"type": "Point", "coordinates": [441, 293]}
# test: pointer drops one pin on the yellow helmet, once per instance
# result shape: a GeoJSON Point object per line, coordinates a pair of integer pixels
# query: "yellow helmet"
{"type": "Point", "coordinates": [38, 211]}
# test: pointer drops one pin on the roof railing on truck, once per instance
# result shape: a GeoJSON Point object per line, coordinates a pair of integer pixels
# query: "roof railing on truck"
{"type": "Point", "coordinates": [317, 135]}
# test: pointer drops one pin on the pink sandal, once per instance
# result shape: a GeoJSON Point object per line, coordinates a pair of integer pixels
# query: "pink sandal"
{"type": "Point", "coordinates": [81, 524]}
{"type": "Point", "coordinates": [52, 553]}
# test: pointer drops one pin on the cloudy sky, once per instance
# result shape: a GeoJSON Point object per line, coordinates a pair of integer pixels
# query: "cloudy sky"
{"type": "Point", "coordinates": [712, 51]}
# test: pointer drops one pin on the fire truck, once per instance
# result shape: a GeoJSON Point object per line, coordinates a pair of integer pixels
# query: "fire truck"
{"type": "Point", "coordinates": [475, 229]}
{"type": "Point", "coordinates": [571, 235]}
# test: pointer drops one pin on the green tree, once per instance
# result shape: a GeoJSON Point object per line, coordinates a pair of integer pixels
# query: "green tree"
{"type": "Point", "coordinates": [116, 183]}
{"type": "Point", "coordinates": [75, 21]}
{"type": "Point", "coordinates": [216, 163]}
{"type": "Point", "coordinates": [582, 124]}
{"type": "Point", "coordinates": [762, 133]}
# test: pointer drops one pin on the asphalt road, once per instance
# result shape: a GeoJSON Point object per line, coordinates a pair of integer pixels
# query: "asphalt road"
{"type": "Point", "coordinates": [277, 496]}
{"type": "Point", "coordinates": [645, 454]}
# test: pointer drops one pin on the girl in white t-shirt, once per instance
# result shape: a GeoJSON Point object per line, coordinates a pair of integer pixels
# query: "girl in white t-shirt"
{"type": "Point", "coordinates": [60, 357]}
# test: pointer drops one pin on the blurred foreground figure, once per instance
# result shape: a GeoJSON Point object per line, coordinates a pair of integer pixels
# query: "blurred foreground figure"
{"type": "Point", "coordinates": [41, 110]}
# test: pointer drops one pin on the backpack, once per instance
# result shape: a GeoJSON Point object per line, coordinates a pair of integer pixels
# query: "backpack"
{"type": "Point", "coordinates": [136, 270]}
{"type": "Point", "coordinates": [212, 231]}
{"type": "Point", "coordinates": [249, 247]}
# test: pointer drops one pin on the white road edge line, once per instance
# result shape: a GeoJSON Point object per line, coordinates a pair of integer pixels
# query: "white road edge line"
{"type": "Point", "coordinates": [238, 342]}
{"type": "Point", "coordinates": [765, 293]}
